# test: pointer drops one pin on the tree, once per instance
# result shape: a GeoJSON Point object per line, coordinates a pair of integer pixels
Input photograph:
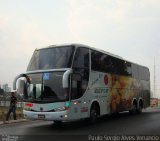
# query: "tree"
{"type": "Point", "coordinates": [1, 91]}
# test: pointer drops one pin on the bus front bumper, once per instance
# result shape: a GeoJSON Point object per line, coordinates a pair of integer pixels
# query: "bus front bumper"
{"type": "Point", "coordinates": [61, 115]}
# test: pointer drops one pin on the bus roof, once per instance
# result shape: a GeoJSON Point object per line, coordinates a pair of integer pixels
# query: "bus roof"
{"type": "Point", "coordinates": [93, 48]}
{"type": "Point", "coordinates": [82, 45]}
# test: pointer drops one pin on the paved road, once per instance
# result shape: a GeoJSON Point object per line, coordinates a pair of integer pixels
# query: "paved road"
{"type": "Point", "coordinates": [148, 123]}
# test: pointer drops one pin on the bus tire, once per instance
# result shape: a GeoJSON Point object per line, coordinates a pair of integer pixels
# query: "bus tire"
{"type": "Point", "coordinates": [140, 107]}
{"type": "Point", "coordinates": [94, 112]}
{"type": "Point", "coordinates": [134, 108]}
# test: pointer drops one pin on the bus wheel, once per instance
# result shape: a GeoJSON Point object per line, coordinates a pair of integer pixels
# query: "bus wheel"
{"type": "Point", "coordinates": [139, 110]}
{"type": "Point", "coordinates": [94, 113]}
{"type": "Point", "coordinates": [134, 109]}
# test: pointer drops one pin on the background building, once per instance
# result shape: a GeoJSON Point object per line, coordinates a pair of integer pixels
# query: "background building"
{"type": "Point", "coordinates": [6, 88]}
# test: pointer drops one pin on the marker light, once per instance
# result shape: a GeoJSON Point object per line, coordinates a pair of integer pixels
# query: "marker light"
{"type": "Point", "coordinates": [67, 104]}
{"type": "Point", "coordinates": [76, 103]}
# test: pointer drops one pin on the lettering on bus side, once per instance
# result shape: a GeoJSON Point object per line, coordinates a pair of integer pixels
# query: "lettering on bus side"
{"type": "Point", "coordinates": [101, 90]}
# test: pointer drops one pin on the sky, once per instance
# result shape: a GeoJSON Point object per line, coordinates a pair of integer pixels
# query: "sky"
{"type": "Point", "coordinates": [128, 28]}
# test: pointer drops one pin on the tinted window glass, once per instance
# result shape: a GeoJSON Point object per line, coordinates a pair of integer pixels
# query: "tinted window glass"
{"type": "Point", "coordinates": [135, 71]}
{"type": "Point", "coordinates": [80, 66]}
{"type": "Point", "coordinates": [51, 58]}
{"type": "Point", "coordinates": [98, 61]}
{"type": "Point", "coordinates": [143, 73]}
{"type": "Point", "coordinates": [128, 69]}
{"type": "Point", "coordinates": [35, 87]}
{"type": "Point", "coordinates": [122, 67]}
{"type": "Point", "coordinates": [106, 63]}
{"type": "Point", "coordinates": [46, 87]}
{"type": "Point", "coordinates": [81, 59]}
{"type": "Point", "coordinates": [53, 86]}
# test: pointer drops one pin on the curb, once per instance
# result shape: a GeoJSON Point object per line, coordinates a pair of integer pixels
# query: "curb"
{"type": "Point", "coordinates": [13, 121]}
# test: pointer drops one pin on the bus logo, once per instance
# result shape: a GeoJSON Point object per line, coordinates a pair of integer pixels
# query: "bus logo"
{"type": "Point", "coordinates": [45, 76]}
{"type": "Point", "coordinates": [41, 109]}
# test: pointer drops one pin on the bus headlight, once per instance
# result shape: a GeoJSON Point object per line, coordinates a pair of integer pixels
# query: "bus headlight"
{"type": "Point", "coordinates": [28, 106]}
{"type": "Point", "coordinates": [59, 109]}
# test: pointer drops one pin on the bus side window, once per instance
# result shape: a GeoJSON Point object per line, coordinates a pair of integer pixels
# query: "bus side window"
{"type": "Point", "coordinates": [135, 71]}
{"type": "Point", "coordinates": [128, 69]}
{"type": "Point", "coordinates": [81, 59]}
{"type": "Point", "coordinates": [81, 66]}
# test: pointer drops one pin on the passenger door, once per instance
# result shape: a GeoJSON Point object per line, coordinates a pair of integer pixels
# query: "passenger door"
{"type": "Point", "coordinates": [80, 80]}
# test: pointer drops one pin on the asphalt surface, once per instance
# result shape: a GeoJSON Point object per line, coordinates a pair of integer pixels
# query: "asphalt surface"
{"type": "Point", "coordinates": [147, 123]}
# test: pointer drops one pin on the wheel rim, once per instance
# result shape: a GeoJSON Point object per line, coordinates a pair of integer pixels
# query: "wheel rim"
{"type": "Point", "coordinates": [140, 108]}
{"type": "Point", "coordinates": [134, 109]}
{"type": "Point", "coordinates": [93, 115]}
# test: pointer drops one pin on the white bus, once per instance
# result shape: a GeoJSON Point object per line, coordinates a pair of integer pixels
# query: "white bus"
{"type": "Point", "coordinates": [74, 81]}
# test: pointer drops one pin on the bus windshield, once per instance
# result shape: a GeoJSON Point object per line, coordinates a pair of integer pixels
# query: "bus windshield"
{"type": "Point", "coordinates": [51, 58]}
{"type": "Point", "coordinates": [46, 87]}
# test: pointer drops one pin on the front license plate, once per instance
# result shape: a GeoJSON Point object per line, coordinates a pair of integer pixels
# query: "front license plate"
{"type": "Point", "coordinates": [41, 116]}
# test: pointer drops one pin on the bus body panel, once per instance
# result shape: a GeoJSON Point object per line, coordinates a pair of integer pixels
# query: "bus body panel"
{"type": "Point", "coordinates": [52, 111]}
{"type": "Point", "coordinates": [46, 115]}
{"type": "Point", "coordinates": [116, 93]}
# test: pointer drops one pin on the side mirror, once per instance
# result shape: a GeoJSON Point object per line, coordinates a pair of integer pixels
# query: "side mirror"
{"type": "Point", "coordinates": [22, 88]}
{"type": "Point", "coordinates": [19, 76]}
{"type": "Point", "coordinates": [22, 85]}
